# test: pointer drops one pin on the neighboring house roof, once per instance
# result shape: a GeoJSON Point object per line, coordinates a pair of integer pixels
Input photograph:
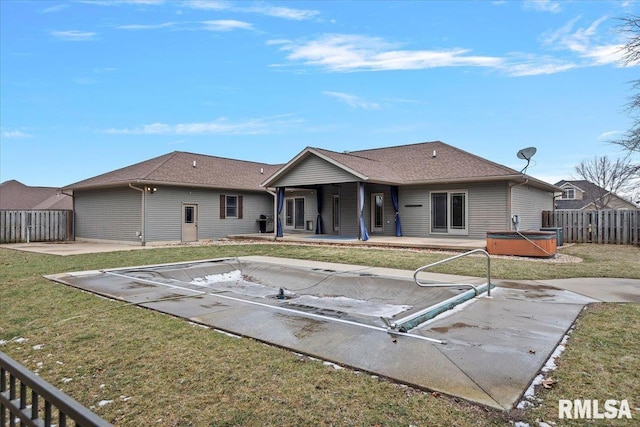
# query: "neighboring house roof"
{"type": "Point", "coordinates": [423, 163]}
{"type": "Point", "coordinates": [590, 194]}
{"type": "Point", "coordinates": [177, 168]}
{"type": "Point", "coordinates": [14, 195]}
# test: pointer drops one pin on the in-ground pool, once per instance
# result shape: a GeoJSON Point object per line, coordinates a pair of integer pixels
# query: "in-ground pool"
{"type": "Point", "coordinates": [354, 295]}
{"type": "Point", "coordinates": [343, 313]}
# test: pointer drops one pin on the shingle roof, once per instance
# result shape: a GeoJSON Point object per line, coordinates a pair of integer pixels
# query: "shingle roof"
{"type": "Point", "coordinates": [177, 168]}
{"type": "Point", "coordinates": [16, 195]}
{"type": "Point", "coordinates": [426, 162]}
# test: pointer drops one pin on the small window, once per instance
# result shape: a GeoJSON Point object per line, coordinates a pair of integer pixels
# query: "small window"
{"type": "Point", "coordinates": [232, 207]}
{"type": "Point", "coordinates": [569, 193]}
{"type": "Point", "coordinates": [189, 217]}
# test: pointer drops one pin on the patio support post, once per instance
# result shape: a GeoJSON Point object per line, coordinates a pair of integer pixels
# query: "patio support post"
{"type": "Point", "coordinates": [363, 233]}
{"type": "Point", "coordinates": [319, 205]}
{"type": "Point", "coordinates": [279, 205]}
{"type": "Point", "coordinates": [396, 207]}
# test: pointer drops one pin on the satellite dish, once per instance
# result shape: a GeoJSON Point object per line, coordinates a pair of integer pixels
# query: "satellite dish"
{"type": "Point", "coordinates": [526, 154]}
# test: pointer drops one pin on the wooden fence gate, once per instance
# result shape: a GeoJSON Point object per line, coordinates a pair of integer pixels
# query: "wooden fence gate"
{"type": "Point", "coordinates": [602, 226]}
{"type": "Point", "coordinates": [35, 226]}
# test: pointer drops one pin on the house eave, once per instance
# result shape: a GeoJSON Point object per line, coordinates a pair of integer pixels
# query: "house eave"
{"type": "Point", "coordinates": [517, 178]}
{"type": "Point", "coordinates": [144, 182]}
{"type": "Point", "coordinates": [268, 183]}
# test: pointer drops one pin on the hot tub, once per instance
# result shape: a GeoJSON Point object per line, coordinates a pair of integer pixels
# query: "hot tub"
{"type": "Point", "coordinates": [522, 243]}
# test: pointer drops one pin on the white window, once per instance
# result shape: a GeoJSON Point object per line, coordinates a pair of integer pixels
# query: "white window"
{"type": "Point", "coordinates": [569, 193]}
{"type": "Point", "coordinates": [449, 212]}
{"type": "Point", "coordinates": [232, 207]}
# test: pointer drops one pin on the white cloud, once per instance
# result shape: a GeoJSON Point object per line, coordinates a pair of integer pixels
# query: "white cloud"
{"type": "Point", "coordinates": [274, 11]}
{"type": "Point", "coordinates": [147, 26]}
{"type": "Point", "coordinates": [121, 2]}
{"type": "Point", "coordinates": [214, 25]}
{"type": "Point", "coordinates": [55, 8]}
{"type": "Point", "coordinates": [586, 42]}
{"type": "Point", "coordinates": [220, 126]}
{"type": "Point", "coordinates": [226, 25]}
{"type": "Point", "coordinates": [609, 135]}
{"type": "Point", "coordinates": [208, 4]}
{"type": "Point", "coordinates": [543, 5]}
{"type": "Point", "coordinates": [353, 101]}
{"type": "Point", "coordinates": [73, 35]}
{"type": "Point", "coordinates": [285, 12]}
{"type": "Point", "coordinates": [522, 65]}
{"type": "Point", "coordinates": [15, 134]}
{"type": "Point", "coordinates": [344, 53]}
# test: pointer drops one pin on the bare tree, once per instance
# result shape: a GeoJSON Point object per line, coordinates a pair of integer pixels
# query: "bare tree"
{"type": "Point", "coordinates": [613, 178]}
{"type": "Point", "coordinates": [630, 141]}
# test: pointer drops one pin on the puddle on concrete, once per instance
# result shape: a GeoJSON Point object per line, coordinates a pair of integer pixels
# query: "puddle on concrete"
{"type": "Point", "coordinates": [305, 325]}
{"type": "Point", "coordinates": [458, 325]}
{"type": "Point", "coordinates": [525, 286]}
{"type": "Point", "coordinates": [138, 285]}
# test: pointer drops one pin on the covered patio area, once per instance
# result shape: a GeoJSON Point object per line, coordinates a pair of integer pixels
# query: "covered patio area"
{"type": "Point", "coordinates": [448, 243]}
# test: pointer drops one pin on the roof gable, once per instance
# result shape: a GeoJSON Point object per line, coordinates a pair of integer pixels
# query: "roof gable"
{"type": "Point", "coordinates": [185, 169]}
{"type": "Point", "coordinates": [427, 162]}
{"type": "Point", "coordinates": [312, 168]}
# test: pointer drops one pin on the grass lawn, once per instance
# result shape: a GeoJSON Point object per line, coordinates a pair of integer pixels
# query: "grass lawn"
{"type": "Point", "coordinates": [159, 370]}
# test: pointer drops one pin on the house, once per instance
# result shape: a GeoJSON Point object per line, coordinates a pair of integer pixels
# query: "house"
{"type": "Point", "coordinates": [428, 189]}
{"type": "Point", "coordinates": [179, 196]}
{"type": "Point", "coordinates": [585, 195]}
{"type": "Point", "coordinates": [14, 195]}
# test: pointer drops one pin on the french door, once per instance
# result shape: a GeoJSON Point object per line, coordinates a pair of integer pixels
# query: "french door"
{"type": "Point", "coordinates": [449, 212]}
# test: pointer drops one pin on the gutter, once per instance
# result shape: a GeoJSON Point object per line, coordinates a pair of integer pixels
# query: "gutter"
{"type": "Point", "coordinates": [73, 214]}
{"type": "Point", "coordinates": [143, 230]}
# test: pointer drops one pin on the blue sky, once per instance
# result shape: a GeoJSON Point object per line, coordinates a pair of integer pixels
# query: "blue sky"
{"type": "Point", "coordinates": [91, 86]}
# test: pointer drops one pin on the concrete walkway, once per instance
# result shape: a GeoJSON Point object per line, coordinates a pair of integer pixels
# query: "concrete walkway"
{"type": "Point", "coordinates": [85, 247]}
{"type": "Point", "coordinates": [494, 346]}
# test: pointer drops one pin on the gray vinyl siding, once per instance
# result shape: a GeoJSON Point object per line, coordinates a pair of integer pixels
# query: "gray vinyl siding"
{"type": "Point", "coordinates": [164, 213]}
{"type": "Point", "coordinates": [328, 191]}
{"type": "Point", "coordinates": [312, 171]}
{"type": "Point", "coordinates": [414, 211]}
{"type": "Point", "coordinates": [528, 203]}
{"type": "Point", "coordinates": [108, 214]}
{"type": "Point", "coordinates": [349, 209]}
{"type": "Point", "coordinates": [487, 209]}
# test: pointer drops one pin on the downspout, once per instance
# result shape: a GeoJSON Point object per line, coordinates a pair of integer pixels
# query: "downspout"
{"type": "Point", "coordinates": [73, 215]}
{"type": "Point", "coordinates": [142, 236]}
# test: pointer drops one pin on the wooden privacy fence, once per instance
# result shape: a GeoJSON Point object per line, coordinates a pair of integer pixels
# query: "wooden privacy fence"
{"type": "Point", "coordinates": [602, 226]}
{"type": "Point", "coordinates": [35, 226]}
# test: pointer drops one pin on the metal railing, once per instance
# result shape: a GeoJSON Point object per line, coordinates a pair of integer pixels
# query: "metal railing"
{"type": "Point", "coordinates": [444, 261]}
{"type": "Point", "coordinates": [22, 392]}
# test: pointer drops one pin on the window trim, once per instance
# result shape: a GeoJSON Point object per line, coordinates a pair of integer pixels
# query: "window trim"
{"type": "Point", "coordinates": [566, 191]}
{"type": "Point", "coordinates": [450, 230]}
{"type": "Point", "coordinates": [224, 206]}
{"type": "Point", "coordinates": [290, 207]}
